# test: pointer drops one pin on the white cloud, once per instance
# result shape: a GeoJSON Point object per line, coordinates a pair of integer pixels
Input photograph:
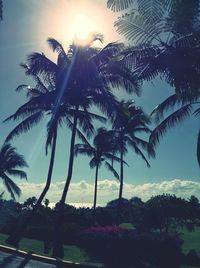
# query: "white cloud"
{"type": "Point", "coordinates": [82, 191]}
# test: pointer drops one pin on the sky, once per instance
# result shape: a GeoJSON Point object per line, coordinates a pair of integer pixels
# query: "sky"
{"type": "Point", "coordinates": [25, 29]}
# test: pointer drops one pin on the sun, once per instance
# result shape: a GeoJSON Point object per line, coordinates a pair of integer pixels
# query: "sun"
{"type": "Point", "coordinates": [72, 20]}
{"type": "Point", "coordinates": [81, 28]}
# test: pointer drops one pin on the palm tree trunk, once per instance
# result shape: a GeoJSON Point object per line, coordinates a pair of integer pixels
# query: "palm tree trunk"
{"type": "Point", "coordinates": [16, 236]}
{"type": "Point", "coordinates": [121, 181]}
{"type": "Point", "coordinates": [58, 250]}
{"type": "Point", "coordinates": [121, 171]}
{"type": "Point", "coordinates": [48, 182]}
{"type": "Point", "coordinates": [95, 187]}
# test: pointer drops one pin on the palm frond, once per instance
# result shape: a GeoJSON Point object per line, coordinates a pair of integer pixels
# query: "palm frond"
{"type": "Point", "coordinates": [138, 56]}
{"type": "Point", "coordinates": [138, 29]}
{"type": "Point", "coordinates": [137, 150]}
{"type": "Point", "coordinates": [39, 64]}
{"type": "Point", "coordinates": [145, 145]}
{"type": "Point", "coordinates": [118, 5]}
{"type": "Point", "coordinates": [121, 76]}
{"type": "Point", "coordinates": [11, 187]}
{"type": "Point", "coordinates": [78, 132]}
{"type": "Point", "coordinates": [170, 121]}
{"type": "Point", "coordinates": [94, 162]}
{"type": "Point", "coordinates": [197, 112]}
{"type": "Point", "coordinates": [152, 10]}
{"type": "Point", "coordinates": [17, 173]}
{"type": "Point", "coordinates": [189, 40]}
{"type": "Point", "coordinates": [114, 158]}
{"type": "Point", "coordinates": [108, 52]}
{"type": "Point", "coordinates": [84, 149]}
{"type": "Point", "coordinates": [55, 45]}
{"type": "Point", "coordinates": [167, 104]}
{"type": "Point", "coordinates": [142, 129]}
{"type": "Point", "coordinates": [10, 159]}
{"type": "Point", "coordinates": [25, 125]}
{"type": "Point", "coordinates": [111, 169]}
{"type": "Point", "coordinates": [24, 111]}
{"type": "Point", "coordinates": [85, 122]}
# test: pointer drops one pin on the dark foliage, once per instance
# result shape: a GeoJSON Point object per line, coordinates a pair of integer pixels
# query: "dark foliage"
{"type": "Point", "coordinates": [119, 247]}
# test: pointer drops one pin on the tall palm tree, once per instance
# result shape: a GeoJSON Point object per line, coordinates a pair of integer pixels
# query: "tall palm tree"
{"type": "Point", "coordinates": [129, 122]}
{"type": "Point", "coordinates": [10, 165]}
{"type": "Point", "coordinates": [100, 152]}
{"type": "Point", "coordinates": [84, 77]}
{"type": "Point", "coordinates": [42, 101]}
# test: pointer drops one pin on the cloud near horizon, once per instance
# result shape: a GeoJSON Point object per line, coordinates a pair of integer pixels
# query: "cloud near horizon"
{"type": "Point", "coordinates": [82, 191]}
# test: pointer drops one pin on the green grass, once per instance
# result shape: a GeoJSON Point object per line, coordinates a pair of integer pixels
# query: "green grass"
{"type": "Point", "coordinates": [191, 240]}
{"type": "Point", "coordinates": [127, 225]}
{"type": "Point", "coordinates": [72, 253]}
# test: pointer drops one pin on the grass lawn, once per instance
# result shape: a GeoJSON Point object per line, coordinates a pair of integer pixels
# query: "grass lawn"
{"type": "Point", "coordinates": [191, 240]}
{"type": "Point", "coordinates": [72, 253]}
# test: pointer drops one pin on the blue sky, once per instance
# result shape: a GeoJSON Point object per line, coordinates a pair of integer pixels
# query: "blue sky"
{"type": "Point", "coordinates": [25, 28]}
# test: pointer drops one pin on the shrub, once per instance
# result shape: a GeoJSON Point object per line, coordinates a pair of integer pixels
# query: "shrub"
{"type": "Point", "coordinates": [119, 247]}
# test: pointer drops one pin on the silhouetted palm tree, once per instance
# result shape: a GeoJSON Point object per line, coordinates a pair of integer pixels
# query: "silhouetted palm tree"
{"type": "Point", "coordinates": [84, 77]}
{"type": "Point", "coordinates": [42, 101]}
{"type": "Point", "coordinates": [129, 122]}
{"type": "Point", "coordinates": [167, 35]}
{"type": "Point", "coordinates": [10, 165]}
{"type": "Point", "coordinates": [100, 152]}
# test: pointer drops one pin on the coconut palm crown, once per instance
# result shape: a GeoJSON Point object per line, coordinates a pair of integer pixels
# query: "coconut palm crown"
{"type": "Point", "coordinates": [101, 152]}
{"type": "Point", "coordinates": [10, 165]}
{"type": "Point", "coordinates": [129, 123]}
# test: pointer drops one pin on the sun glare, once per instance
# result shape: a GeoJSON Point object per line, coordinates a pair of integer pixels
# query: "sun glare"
{"type": "Point", "coordinates": [76, 20]}
{"type": "Point", "coordinates": [81, 28]}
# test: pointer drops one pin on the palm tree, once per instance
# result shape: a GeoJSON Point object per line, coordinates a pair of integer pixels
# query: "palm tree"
{"type": "Point", "coordinates": [42, 101]}
{"type": "Point", "coordinates": [130, 121]}
{"type": "Point", "coordinates": [10, 164]}
{"type": "Point", "coordinates": [100, 152]}
{"type": "Point", "coordinates": [84, 77]}
{"type": "Point", "coordinates": [166, 34]}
